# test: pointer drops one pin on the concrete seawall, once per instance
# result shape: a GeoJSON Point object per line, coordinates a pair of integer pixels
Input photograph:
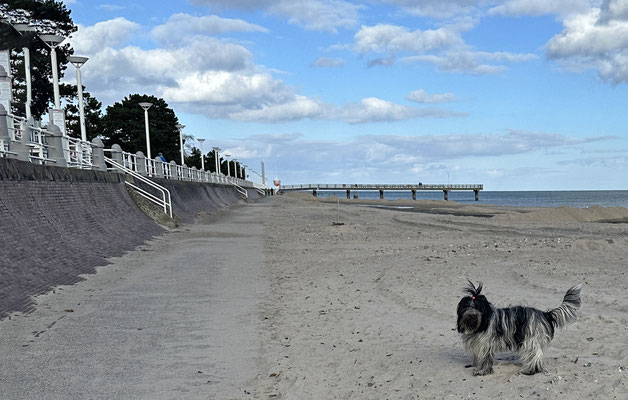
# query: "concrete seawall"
{"type": "Point", "coordinates": [189, 199]}
{"type": "Point", "coordinates": [58, 223]}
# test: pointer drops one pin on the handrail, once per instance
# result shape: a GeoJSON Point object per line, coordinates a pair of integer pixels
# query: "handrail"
{"type": "Point", "coordinates": [241, 190]}
{"type": "Point", "coordinates": [165, 201]}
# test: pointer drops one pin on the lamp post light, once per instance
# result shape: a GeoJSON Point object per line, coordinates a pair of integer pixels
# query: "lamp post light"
{"type": "Point", "coordinates": [180, 128]}
{"type": "Point", "coordinates": [228, 166]}
{"type": "Point", "coordinates": [23, 29]}
{"type": "Point", "coordinates": [78, 62]}
{"type": "Point", "coordinates": [146, 106]}
{"type": "Point", "coordinates": [201, 140]}
{"type": "Point", "coordinates": [53, 41]}
{"type": "Point", "coordinates": [216, 162]}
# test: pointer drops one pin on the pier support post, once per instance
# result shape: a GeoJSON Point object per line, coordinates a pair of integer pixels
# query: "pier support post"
{"type": "Point", "coordinates": [381, 194]}
{"type": "Point", "coordinates": [314, 193]}
{"type": "Point", "coordinates": [446, 192]}
{"type": "Point", "coordinates": [413, 194]}
{"type": "Point", "coordinates": [477, 195]}
{"type": "Point", "coordinates": [348, 194]}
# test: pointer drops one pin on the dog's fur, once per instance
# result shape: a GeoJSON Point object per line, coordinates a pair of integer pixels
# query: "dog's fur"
{"type": "Point", "coordinates": [487, 329]}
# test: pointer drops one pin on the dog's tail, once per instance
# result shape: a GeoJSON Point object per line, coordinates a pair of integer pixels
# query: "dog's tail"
{"type": "Point", "coordinates": [566, 312]}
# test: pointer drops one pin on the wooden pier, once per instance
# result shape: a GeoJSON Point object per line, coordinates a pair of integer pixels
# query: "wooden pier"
{"type": "Point", "coordinates": [446, 188]}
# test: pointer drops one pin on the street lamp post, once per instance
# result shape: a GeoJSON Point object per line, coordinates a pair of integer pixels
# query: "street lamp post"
{"type": "Point", "coordinates": [180, 128]}
{"type": "Point", "coordinates": [145, 106]}
{"type": "Point", "coordinates": [78, 63]}
{"type": "Point", "coordinates": [23, 29]}
{"type": "Point", "coordinates": [216, 162]}
{"type": "Point", "coordinates": [53, 42]}
{"type": "Point", "coordinates": [201, 140]}
{"type": "Point", "coordinates": [228, 166]}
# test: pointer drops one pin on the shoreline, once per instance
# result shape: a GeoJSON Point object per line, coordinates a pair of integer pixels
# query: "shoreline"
{"type": "Point", "coordinates": [594, 213]}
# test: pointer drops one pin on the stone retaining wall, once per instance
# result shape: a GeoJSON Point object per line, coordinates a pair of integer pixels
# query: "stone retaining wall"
{"type": "Point", "coordinates": [58, 223]}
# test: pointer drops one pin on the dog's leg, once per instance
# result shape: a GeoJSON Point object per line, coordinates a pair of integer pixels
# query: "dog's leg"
{"type": "Point", "coordinates": [484, 363]}
{"type": "Point", "coordinates": [531, 354]}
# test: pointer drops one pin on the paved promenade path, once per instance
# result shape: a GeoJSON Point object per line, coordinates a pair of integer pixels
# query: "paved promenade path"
{"type": "Point", "coordinates": [175, 319]}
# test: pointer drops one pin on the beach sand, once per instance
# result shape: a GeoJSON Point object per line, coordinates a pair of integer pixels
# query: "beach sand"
{"type": "Point", "coordinates": [274, 301]}
{"type": "Point", "coordinates": [367, 310]}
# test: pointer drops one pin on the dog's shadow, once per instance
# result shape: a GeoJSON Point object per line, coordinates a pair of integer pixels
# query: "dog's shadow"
{"type": "Point", "coordinates": [507, 363]}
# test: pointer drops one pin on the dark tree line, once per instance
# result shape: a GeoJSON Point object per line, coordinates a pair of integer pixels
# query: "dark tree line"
{"type": "Point", "coordinates": [194, 160]}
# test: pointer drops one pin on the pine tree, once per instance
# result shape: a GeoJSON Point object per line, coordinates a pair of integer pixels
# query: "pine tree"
{"type": "Point", "coordinates": [123, 124]}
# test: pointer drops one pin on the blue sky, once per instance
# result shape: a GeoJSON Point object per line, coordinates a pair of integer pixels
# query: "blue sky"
{"type": "Point", "coordinates": [514, 94]}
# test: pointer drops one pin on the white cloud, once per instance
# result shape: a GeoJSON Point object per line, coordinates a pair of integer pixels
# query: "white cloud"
{"type": "Point", "coordinates": [383, 38]}
{"type": "Point", "coordinates": [595, 39]}
{"type": "Point", "coordinates": [443, 47]}
{"type": "Point", "coordinates": [371, 157]}
{"type": "Point", "coordinates": [180, 26]}
{"type": "Point", "coordinates": [111, 7]}
{"type": "Point", "coordinates": [328, 62]}
{"type": "Point", "coordinates": [440, 8]}
{"type": "Point", "coordinates": [373, 109]}
{"type": "Point", "coordinates": [115, 32]}
{"type": "Point", "coordinates": [317, 15]}
{"type": "Point", "coordinates": [421, 96]}
{"type": "Point", "coordinates": [366, 111]}
{"type": "Point", "coordinates": [539, 7]}
{"type": "Point", "coordinates": [226, 84]}
{"type": "Point", "coordinates": [299, 107]}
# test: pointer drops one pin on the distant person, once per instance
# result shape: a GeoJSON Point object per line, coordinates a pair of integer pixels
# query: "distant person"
{"type": "Point", "coordinates": [162, 157]}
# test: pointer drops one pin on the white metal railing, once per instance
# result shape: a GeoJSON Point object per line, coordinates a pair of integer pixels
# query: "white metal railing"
{"type": "Point", "coordinates": [384, 186]}
{"type": "Point", "coordinates": [241, 190]}
{"type": "Point", "coordinates": [79, 153]}
{"type": "Point", "coordinates": [179, 172]}
{"type": "Point", "coordinates": [4, 149]}
{"type": "Point", "coordinates": [38, 144]}
{"type": "Point", "coordinates": [165, 201]}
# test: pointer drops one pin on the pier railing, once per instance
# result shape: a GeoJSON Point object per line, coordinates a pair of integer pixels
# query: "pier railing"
{"type": "Point", "coordinates": [362, 186]}
{"type": "Point", "coordinates": [446, 188]}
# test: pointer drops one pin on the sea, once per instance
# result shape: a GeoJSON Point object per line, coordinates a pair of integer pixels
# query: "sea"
{"type": "Point", "coordinates": [575, 198]}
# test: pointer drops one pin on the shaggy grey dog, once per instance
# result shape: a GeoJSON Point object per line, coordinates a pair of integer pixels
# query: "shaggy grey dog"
{"type": "Point", "coordinates": [487, 329]}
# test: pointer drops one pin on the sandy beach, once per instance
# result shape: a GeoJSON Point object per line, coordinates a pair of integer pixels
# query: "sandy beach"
{"type": "Point", "coordinates": [366, 310]}
{"type": "Point", "coordinates": [274, 301]}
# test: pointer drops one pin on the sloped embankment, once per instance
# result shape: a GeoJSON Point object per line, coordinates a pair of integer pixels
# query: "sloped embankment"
{"type": "Point", "coordinates": [58, 223]}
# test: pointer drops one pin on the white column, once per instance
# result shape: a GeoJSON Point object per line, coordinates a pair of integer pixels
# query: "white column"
{"type": "Point", "coordinates": [78, 63]}
{"type": "Point", "coordinates": [202, 155]}
{"type": "Point", "coordinates": [146, 106]}
{"type": "Point", "coordinates": [29, 86]}
{"type": "Point", "coordinates": [180, 128]}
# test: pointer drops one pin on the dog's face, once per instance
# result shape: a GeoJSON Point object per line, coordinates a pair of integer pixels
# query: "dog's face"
{"type": "Point", "coordinates": [474, 311]}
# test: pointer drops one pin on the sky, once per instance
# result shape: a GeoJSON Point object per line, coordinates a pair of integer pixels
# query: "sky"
{"type": "Point", "coordinates": [513, 94]}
